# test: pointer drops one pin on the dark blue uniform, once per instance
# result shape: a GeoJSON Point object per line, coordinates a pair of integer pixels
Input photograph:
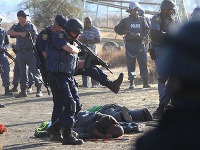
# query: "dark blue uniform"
{"type": "Point", "coordinates": [3, 59]}
{"type": "Point", "coordinates": [61, 67]}
{"type": "Point", "coordinates": [135, 48]}
{"type": "Point", "coordinates": [94, 72]}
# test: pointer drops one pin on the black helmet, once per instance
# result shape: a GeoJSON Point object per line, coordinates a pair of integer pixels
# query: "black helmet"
{"type": "Point", "coordinates": [74, 25]}
{"type": "Point", "coordinates": [167, 4]}
{"type": "Point", "coordinates": [61, 20]}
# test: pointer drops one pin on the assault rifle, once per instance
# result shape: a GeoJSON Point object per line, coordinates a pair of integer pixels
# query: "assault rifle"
{"type": "Point", "coordinates": [8, 54]}
{"type": "Point", "coordinates": [91, 56]}
{"type": "Point", "coordinates": [41, 66]}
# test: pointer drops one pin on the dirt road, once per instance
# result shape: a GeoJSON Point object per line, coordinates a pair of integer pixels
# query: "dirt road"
{"type": "Point", "coordinates": [22, 116]}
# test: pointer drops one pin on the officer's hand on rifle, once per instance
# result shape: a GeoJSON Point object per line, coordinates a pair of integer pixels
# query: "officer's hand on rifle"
{"type": "Point", "coordinates": [82, 50]}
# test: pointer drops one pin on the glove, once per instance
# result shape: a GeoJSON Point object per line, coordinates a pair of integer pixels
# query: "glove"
{"type": "Point", "coordinates": [83, 51]}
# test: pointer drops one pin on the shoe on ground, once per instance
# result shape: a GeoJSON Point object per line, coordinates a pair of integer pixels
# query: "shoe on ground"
{"type": "Point", "coordinates": [21, 94]}
{"type": "Point", "coordinates": [55, 134]}
{"type": "Point", "coordinates": [132, 84]}
{"type": "Point", "coordinates": [39, 94]}
{"type": "Point", "coordinates": [157, 115]}
{"type": "Point", "coordinates": [2, 106]}
{"type": "Point", "coordinates": [124, 113]}
{"type": "Point", "coordinates": [7, 93]}
{"type": "Point", "coordinates": [29, 90]}
{"type": "Point", "coordinates": [147, 115]}
{"type": "Point", "coordinates": [14, 89]}
{"type": "Point", "coordinates": [146, 86]}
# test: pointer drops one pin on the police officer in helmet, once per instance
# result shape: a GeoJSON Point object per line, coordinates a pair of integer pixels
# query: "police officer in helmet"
{"type": "Point", "coordinates": [135, 30]}
{"type": "Point", "coordinates": [162, 24]}
{"type": "Point", "coordinates": [179, 127]}
{"type": "Point", "coordinates": [61, 64]}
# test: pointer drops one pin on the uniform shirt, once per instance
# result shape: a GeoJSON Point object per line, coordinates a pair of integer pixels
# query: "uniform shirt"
{"type": "Point", "coordinates": [3, 38]}
{"type": "Point", "coordinates": [57, 59]}
{"type": "Point", "coordinates": [43, 38]}
{"type": "Point", "coordinates": [91, 34]}
{"type": "Point", "coordinates": [134, 25]}
{"type": "Point", "coordinates": [24, 42]}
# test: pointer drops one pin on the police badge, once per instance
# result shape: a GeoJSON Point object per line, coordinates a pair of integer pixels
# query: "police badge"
{"type": "Point", "coordinates": [60, 35]}
{"type": "Point", "coordinates": [157, 18]}
{"type": "Point", "coordinates": [44, 37]}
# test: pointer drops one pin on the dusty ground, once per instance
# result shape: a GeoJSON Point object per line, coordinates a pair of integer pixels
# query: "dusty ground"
{"type": "Point", "coordinates": [22, 116]}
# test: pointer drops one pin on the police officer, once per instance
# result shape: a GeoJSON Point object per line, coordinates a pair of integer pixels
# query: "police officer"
{"type": "Point", "coordinates": [4, 64]}
{"type": "Point", "coordinates": [196, 14]}
{"type": "Point", "coordinates": [94, 72]}
{"type": "Point", "coordinates": [135, 29]}
{"type": "Point", "coordinates": [161, 24]}
{"type": "Point", "coordinates": [179, 127]}
{"type": "Point", "coordinates": [26, 56]}
{"type": "Point", "coordinates": [61, 64]}
{"type": "Point", "coordinates": [90, 37]}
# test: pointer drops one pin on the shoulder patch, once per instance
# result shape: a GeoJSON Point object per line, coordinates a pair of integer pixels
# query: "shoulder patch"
{"type": "Point", "coordinates": [157, 18]}
{"type": "Point", "coordinates": [44, 37]}
{"type": "Point", "coordinates": [60, 35]}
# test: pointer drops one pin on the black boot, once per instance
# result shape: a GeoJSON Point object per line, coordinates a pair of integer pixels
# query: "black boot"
{"type": "Point", "coordinates": [145, 83]}
{"type": "Point", "coordinates": [39, 92]}
{"type": "Point", "coordinates": [14, 89]}
{"type": "Point", "coordinates": [114, 86]}
{"type": "Point", "coordinates": [158, 113]}
{"type": "Point", "coordinates": [54, 131]}
{"type": "Point", "coordinates": [69, 138]}
{"type": "Point", "coordinates": [7, 91]}
{"type": "Point", "coordinates": [132, 84]}
{"type": "Point", "coordinates": [23, 93]}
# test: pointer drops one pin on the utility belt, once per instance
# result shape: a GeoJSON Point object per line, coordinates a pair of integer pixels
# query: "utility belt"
{"type": "Point", "coordinates": [24, 49]}
{"type": "Point", "coordinates": [134, 41]}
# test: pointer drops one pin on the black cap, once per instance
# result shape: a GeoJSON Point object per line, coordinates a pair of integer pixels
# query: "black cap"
{"type": "Point", "coordinates": [61, 20]}
{"type": "Point", "coordinates": [21, 13]}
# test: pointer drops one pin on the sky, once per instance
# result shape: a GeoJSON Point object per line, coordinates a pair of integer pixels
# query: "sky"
{"type": "Point", "coordinates": [9, 8]}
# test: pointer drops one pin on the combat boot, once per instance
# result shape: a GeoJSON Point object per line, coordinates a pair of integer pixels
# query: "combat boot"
{"type": "Point", "coordinates": [7, 91]}
{"type": "Point", "coordinates": [39, 92]}
{"type": "Point", "coordinates": [14, 89]}
{"type": "Point", "coordinates": [54, 131]}
{"type": "Point", "coordinates": [69, 138]}
{"type": "Point", "coordinates": [114, 86]}
{"type": "Point", "coordinates": [23, 93]}
{"type": "Point", "coordinates": [145, 83]}
{"type": "Point", "coordinates": [158, 113]}
{"type": "Point", "coordinates": [132, 84]}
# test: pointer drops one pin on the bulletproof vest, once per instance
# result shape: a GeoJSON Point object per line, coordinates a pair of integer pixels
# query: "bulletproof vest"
{"type": "Point", "coordinates": [23, 42]}
{"type": "Point", "coordinates": [60, 61]}
{"type": "Point", "coordinates": [134, 26]}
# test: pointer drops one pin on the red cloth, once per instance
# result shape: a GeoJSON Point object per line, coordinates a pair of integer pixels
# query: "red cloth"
{"type": "Point", "coordinates": [3, 129]}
